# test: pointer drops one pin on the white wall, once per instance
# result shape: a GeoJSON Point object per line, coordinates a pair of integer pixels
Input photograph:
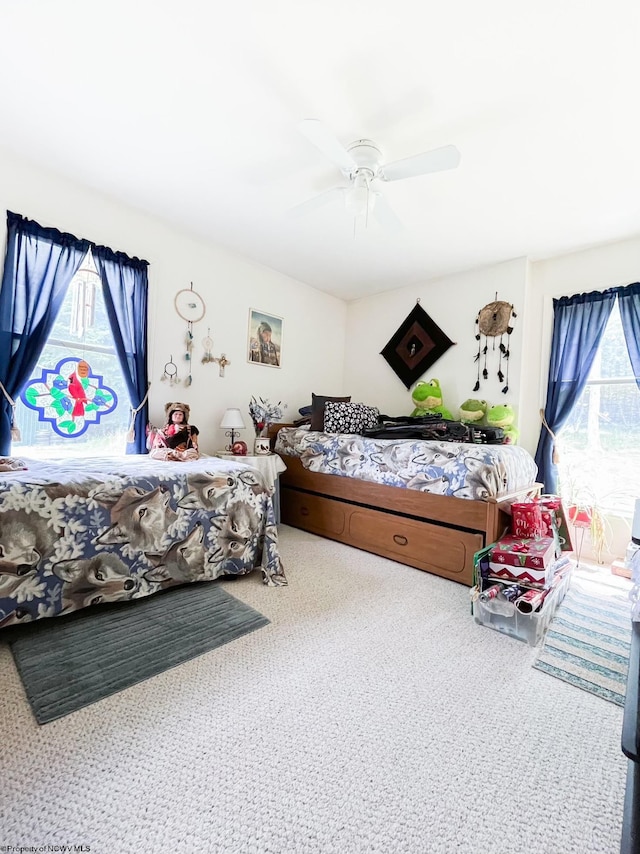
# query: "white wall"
{"type": "Point", "coordinates": [229, 285]}
{"type": "Point", "coordinates": [453, 303]}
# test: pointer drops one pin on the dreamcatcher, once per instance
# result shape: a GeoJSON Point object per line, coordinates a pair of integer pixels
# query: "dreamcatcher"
{"type": "Point", "coordinates": [190, 306]}
{"type": "Point", "coordinates": [494, 321]}
{"type": "Point", "coordinates": [207, 343]}
{"type": "Point", "coordinates": [170, 374]}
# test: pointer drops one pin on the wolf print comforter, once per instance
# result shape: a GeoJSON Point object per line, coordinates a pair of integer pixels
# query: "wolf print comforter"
{"type": "Point", "coordinates": [442, 468]}
{"type": "Point", "coordinates": [75, 533]}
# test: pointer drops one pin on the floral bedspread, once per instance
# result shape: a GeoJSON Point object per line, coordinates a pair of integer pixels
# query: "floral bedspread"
{"type": "Point", "coordinates": [75, 533]}
{"type": "Point", "coordinates": [444, 468]}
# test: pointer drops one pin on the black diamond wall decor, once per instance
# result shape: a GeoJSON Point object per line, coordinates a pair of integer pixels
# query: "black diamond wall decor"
{"type": "Point", "coordinates": [415, 346]}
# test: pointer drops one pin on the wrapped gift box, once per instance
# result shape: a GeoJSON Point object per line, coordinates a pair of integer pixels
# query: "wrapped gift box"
{"type": "Point", "coordinates": [523, 559]}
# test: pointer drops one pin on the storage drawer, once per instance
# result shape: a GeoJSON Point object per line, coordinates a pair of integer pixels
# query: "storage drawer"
{"type": "Point", "coordinates": [444, 551]}
{"type": "Point", "coordinates": [313, 513]}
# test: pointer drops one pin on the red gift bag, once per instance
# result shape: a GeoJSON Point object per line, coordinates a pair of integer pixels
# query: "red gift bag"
{"type": "Point", "coordinates": [526, 519]}
{"type": "Point", "coordinates": [543, 516]}
{"type": "Point", "coordinates": [553, 512]}
{"type": "Point", "coordinates": [551, 506]}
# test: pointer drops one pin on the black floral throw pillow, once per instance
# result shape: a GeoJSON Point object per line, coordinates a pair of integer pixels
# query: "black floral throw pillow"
{"type": "Point", "coordinates": [317, 408]}
{"type": "Point", "coordinates": [349, 417]}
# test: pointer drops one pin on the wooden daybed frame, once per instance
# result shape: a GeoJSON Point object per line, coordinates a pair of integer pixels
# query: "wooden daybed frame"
{"type": "Point", "coordinates": [435, 533]}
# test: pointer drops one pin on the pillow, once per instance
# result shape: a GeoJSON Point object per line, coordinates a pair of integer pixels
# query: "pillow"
{"type": "Point", "coordinates": [349, 417]}
{"type": "Point", "coordinates": [317, 408]}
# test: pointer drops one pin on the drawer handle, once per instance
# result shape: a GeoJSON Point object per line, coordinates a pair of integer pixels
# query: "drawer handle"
{"type": "Point", "coordinates": [304, 511]}
{"type": "Point", "coordinates": [400, 540]}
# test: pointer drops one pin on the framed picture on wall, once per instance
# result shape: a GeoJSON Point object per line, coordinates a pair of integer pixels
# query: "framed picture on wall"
{"type": "Point", "coordinates": [265, 339]}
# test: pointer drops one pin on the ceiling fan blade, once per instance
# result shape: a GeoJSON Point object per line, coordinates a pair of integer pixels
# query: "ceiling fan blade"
{"type": "Point", "coordinates": [437, 160]}
{"type": "Point", "coordinates": [310, 205]}
{"type": "Point", "coordinates": [385, 214]}
{"type": "Point", "coordinates": [324, 140]}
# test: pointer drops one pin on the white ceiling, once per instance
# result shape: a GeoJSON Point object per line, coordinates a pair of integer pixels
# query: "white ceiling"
{"type": "Point", "coordinates": [190, 111]}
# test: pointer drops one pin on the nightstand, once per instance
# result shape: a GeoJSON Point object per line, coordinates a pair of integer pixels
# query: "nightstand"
{"type": "Point", "coordinates": [269, 466]}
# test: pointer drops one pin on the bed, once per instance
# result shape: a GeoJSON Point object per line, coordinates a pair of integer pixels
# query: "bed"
{"type": "Point", "coordinates": [427, 504]}
{"type": "Point", "coordinates": [75, 533]}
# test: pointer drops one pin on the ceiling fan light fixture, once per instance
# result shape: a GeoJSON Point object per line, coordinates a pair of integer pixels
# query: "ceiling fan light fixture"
{"type": "Point", "coordinates": [359, 200]}
{"type": "Point", "coordinates": [362, 163]}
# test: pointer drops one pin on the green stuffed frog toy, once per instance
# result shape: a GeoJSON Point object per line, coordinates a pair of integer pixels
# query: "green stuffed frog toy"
{"type": "Point", "coordinates": [504, 416]}
{"type": "Point", "coordinates": [427, 398]}
{"type": "Point", "coordinates": [473, 411]}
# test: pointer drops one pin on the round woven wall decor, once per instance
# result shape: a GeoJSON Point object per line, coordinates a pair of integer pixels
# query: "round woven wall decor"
{"type": "Point", "coordinates": [494, 321]}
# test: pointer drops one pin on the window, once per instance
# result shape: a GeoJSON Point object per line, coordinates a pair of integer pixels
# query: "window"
{"type": "Point", "coordinates": [81, 331]}
{"type": "Point", "coordinates": [599, 446]}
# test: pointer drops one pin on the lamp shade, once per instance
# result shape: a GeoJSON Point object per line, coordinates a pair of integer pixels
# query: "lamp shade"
{"type": "Point", "coordinates": [232, 420]}
{"type": "Point", "coordinates": [580, 516]}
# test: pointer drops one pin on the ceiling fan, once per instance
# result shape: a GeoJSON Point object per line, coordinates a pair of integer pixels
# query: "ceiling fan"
{"type": "Point", "coordinates": [362, 164]}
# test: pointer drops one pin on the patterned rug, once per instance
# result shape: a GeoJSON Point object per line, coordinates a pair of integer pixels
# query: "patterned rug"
{"type": "Point", "coordinates": [68, 662]}
{"type": "Point", "coordinates": [588, 640]}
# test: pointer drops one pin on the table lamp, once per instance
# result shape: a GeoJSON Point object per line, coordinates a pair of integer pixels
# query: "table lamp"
{"type": "Point", "coordinates": [232, 422]}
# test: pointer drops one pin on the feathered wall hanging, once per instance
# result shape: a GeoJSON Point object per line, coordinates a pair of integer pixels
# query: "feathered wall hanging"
{"type": "Point", "coordinates": [494, 321]}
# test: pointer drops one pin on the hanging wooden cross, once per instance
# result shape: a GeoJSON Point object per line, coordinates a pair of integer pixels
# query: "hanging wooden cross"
{"type": "Point", "coordinates": [494, 321]}
{"type": "Point", "coordinates": [222, 361]}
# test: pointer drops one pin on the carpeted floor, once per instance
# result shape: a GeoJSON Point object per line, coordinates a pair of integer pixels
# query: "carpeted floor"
{"type": "Point", "coordinates": [71, 661]}
{"type": "Point", "coordinates": [587, 643]}
{"type": "Point", "coordinates": [371, 716]}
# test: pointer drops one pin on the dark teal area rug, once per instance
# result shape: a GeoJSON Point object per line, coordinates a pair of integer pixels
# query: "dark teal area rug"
{"type": "Point", "coordinates": [69, 662]}
{"type": "Point", "coordinates": [588, 641]}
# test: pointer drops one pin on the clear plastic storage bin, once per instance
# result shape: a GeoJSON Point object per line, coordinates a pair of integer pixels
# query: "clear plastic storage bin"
{"type": "Point", "coordinates": [525, 627]}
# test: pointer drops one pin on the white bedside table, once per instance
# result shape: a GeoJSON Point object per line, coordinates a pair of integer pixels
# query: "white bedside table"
{"type": "Point", "coordinates": [269, 466]}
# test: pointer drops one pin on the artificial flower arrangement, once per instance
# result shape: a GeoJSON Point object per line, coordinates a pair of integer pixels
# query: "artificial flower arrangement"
{"type": "Point", "coordinates": [264, 413]}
